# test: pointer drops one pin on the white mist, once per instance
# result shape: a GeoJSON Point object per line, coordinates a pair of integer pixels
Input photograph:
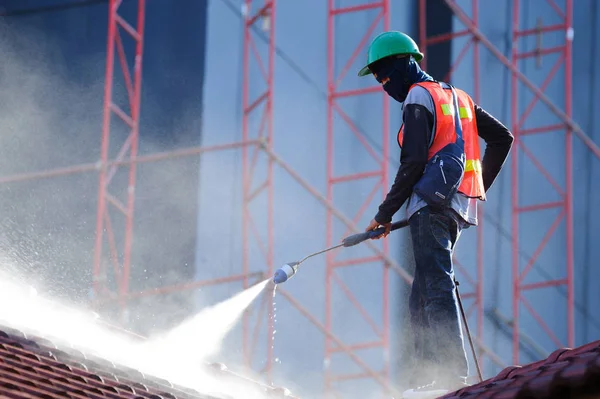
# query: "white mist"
{"type": "Point", "coordinates": [176, 356]}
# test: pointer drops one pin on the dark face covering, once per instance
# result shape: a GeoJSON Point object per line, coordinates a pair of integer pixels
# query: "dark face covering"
{"type": "Point", "coordinates": [402, 73]}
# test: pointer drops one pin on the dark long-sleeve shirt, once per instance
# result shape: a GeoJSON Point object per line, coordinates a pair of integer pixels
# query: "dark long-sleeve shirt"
{"type": "Point", "coordinates": [418, 123]}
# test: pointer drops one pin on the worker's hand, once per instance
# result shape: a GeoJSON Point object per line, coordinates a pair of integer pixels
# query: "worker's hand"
{"type": "Point", "coordinates": [373, 225]}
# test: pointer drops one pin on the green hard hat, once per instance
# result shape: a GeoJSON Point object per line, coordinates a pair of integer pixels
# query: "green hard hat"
{"type": "Point", "coordinates": [390, 43]}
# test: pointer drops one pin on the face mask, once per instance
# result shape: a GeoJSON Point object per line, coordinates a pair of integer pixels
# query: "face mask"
{"type": "Point", "coordinates": [397, 87]}
{"type": "Point", "coordinates": [396, 69]}
{"type": "Point", "coordinates": [403, 72]}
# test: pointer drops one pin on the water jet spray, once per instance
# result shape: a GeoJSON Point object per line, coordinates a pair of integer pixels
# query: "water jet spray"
{"type": "Point", "coordinates": [287, 271]}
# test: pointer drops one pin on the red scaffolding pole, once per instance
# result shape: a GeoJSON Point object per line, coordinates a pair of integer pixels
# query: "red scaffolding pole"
{"type": "Point", "coordinates": [469, 273]}
{"type": "Point", "coordinates": [333, 376]}
{"type": "Point", "coordinates": [129, 116]}
{"type": "Point", "coordinates": [523, 125]}
{"type": "Point", "coordinates": [257, 180]}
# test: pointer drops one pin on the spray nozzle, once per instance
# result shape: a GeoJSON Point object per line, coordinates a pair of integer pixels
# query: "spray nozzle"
{"type": "Point", "coordinates": [285, 272]}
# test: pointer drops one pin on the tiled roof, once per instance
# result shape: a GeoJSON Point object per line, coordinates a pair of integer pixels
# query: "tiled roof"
{"type": "Point", "coordinates": [566, 373]}
{"type": "Point", "coordinates": [35, 367]}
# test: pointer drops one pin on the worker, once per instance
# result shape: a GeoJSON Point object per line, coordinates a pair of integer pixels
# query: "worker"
{"type": "Point", "coordinates": [442, 198]}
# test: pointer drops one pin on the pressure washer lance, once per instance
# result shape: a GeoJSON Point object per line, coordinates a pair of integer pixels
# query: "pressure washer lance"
{"type": "Point", "coordinates": [285, 272]}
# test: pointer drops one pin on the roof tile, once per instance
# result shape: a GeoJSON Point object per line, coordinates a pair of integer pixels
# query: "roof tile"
{"type": "Point", "coordinates": [32, 366]}
{"type": "Point", "coordinates": [565, 373]}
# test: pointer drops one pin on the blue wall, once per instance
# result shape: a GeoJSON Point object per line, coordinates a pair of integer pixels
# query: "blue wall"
{"type": "Point", "coordinates": [300, 131]}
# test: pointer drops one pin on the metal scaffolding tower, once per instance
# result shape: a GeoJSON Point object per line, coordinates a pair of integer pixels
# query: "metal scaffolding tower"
{"type": "Point", "coordinates": [521, 82]}
{"type": "Point", "coordinates": [523, 127]}
{"type": "Point", "coordinates": [380, 335]}
{"type": "Point", "coordinates": [129, 115]}
{"type": "Point", "coordinates": [257, 179]}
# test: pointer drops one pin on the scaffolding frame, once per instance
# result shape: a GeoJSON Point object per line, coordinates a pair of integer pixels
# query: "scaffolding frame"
{"type": "Point", "coordinates": [128, 157]}
{"type": "Point", "coordinates": [380, 335]}
{"type": "Point", "coordinates": [104, 224]}
{"type": "Point", "coordinates": [519, 120]}
{"type": "Point", "coordinates": [520, 81]}
{"type": "Point", "coordinates": [262, 105]}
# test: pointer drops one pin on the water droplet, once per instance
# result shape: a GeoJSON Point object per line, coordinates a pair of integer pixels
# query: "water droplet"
{"type": "Point", "coordinates": [274, 317]}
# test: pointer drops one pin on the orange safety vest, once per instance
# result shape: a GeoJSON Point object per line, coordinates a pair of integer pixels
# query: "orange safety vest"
{"type": "Point", "coordinates": [445, 133]}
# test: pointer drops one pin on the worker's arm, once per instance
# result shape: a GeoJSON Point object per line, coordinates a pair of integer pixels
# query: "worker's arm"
{"type": "Point", "coordinates": [498, 140]}
{"type": "Point", "coordinates": [418, 126]}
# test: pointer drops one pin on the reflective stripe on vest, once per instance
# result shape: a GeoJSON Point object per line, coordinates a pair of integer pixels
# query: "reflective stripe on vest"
{"type": "Point", "coordinates": [473, 165]}
{"type": "Point", "coordinates": [445, 133]}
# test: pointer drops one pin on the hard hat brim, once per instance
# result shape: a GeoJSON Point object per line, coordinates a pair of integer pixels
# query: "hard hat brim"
{"type": "Point", "coordinates": [364, 71]}
{"type": "Point", "coordinates": [418, 56]}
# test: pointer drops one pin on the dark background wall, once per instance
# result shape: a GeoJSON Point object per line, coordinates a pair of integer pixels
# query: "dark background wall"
{"type": "Point", "coordinates": [51, 94]}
